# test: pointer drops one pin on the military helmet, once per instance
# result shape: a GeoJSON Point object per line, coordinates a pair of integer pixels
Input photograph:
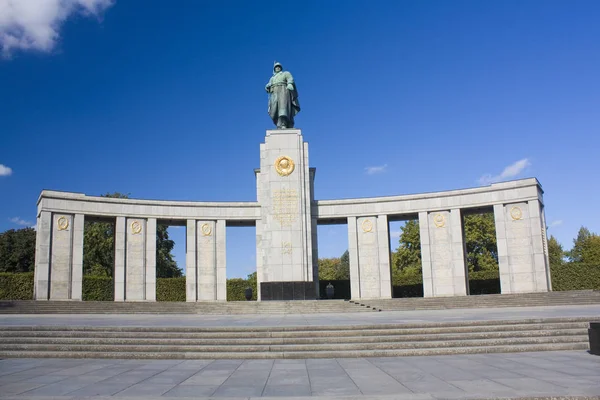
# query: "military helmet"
{"type": "Point", "coordinates": [277, 64]}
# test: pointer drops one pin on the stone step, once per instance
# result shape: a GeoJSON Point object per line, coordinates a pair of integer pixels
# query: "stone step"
{"type": "Point", "coordinates": [298, 354]}
{"type": "Point", "coordinates": [294, 340]}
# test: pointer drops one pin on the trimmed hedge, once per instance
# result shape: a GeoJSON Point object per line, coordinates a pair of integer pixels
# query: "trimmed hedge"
{"type": "Point", "coordinates": [170, 289]}
{"type": "Point", "coordinates": [570, 276]}
{"type": "Point", "coordinates": [575, 276]}
{"type": "Point", "coordinates": [16, 286]}
{"type": "Point", "coordinates": [97, 288]}
{"type": "Point", "coordinates": [236, 288]}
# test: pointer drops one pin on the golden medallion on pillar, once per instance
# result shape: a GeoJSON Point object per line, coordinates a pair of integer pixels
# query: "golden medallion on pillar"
{"type": "Point", "coordinates": [284, 165]}
{"type": "Point", "coordinates": [206, 229]}
{"type": "Point", "coordinates": [367, 225]}
{"type": "Point", "coordinates": [439, 220]}
{"type": "Point", "coordinates": [62, 223]}
{"type": "Point", "coordinates": [136, 227]}
{"type": "Point", "coordinates": [516, 213]}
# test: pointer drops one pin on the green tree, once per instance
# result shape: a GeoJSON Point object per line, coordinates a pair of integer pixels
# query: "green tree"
{"type": "Point", "coordinates": [17, 250]}
{"type": "Point", "coordinates": [407, 256]}
{"type": "Point", "coordinates": [345, 263]}
{"type": "Point", "coordinates": [586, 248]}
{"type": "Point", "coordinates": [166, 266]}
{"type": "Point", "coordinates": [480, 242]}
{"type": "Point", "coordinates": [331, 269]}
{"type": "Point", "coordinates": [555, 252]}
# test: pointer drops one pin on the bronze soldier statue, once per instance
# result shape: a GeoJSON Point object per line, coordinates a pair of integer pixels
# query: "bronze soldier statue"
{"type": "Point", "coordinates": [283, 98]}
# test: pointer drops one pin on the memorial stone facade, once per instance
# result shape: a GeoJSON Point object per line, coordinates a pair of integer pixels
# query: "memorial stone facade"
{"type": "Point", "coordinates": [286, 216]}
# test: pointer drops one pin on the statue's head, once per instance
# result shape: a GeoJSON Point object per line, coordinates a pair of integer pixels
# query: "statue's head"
{"type": "Point", "coordinates": [277, 67]}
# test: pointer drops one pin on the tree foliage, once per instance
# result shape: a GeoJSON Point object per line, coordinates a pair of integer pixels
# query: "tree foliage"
{"type": "Point", "coordinates": [586, 248]}
{"type": "Point", "coordinates": [17, 250]}
{"type": "Point", "coordinates": [480, 242]}
{"type": "Point", "coordinates": [555, 252]}
{"type": "Point", "coordinates": [333, 269]}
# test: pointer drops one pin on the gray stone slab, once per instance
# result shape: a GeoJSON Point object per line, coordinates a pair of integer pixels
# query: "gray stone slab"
{"type": "Point", "coordinates": [100, 389]}
{"type": "Point", "coordinates": [55, 389]}
{"type": "Point", "coordinates": [191, 391]}
{"type": "Point", "coordinates": [530, 384]}
{"type": "Point", "coordinates": [433, 386]}
{"type": "Point", "coordinates": [287, 390]}
{"type": "Point", "coordinates": [484, 386]}
{"type": "Point", "coordinates": [145, 389]}
{"type": "Point", "coordinates": [238, 391]}
{"type": "Point", "coordinates": [18, 387]}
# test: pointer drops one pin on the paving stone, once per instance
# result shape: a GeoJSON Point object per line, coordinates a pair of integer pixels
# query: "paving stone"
{"type": "Point", "coordinates": [55, 389]}
{"type": "Point", "coordinates": [100, 389]}
{"type": "Point", "coordinates": [18, 387]}
{"type": "Point", "coordinates": [191, 391]}
{"type": "Point", "coordinates": [144, 389]}
{"type": "Point", "coordinates": [238, 391]}
{"type": "Point", "coordinates": [287, 390]}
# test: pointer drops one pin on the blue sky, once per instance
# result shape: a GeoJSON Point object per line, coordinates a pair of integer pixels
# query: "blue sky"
{"type": "Point", "coordinates": [398, 97]}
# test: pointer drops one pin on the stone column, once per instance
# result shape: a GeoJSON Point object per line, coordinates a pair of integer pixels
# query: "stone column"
{"type": "Point", "coordinates": [221, 260]}
{"type": "Point", "coordinates": [426, 265]}
{"type": "Point", "coordinates": [43, 235]}
{"type": "Point", "coordinates": [150, 283]}
{"type": "Point", "coordinates": [191, 273]}
{"type": "Point", "coordinates": [206, 260]}
{"type": "Point", "coordinates": [443, 254]}
{"type": "Point", "coordinates": [77, 274]}
{"type": "Point", "coordinates": [61, 256]}
{"type": "Point", "coordinates": [522, 261]}
{"type": "Point", "coordinates": [372, 254]}
{"type": "Point", "coordinates": [119, 271]}
{"type": "Point", "coordinates": [135, 259]}
{"type": "Point", "coordinates": [259, 252]}
{"type": "Point", "coordinates": [383, 242]}
{"type": "Point", "coordinates": [353, 256]}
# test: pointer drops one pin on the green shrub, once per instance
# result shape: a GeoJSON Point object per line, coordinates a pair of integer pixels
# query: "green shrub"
{"type": "Point", "coordinates": [16, 286]}
{"type": "Point", "coordinates": [575, 276]}
{"type": "Point", "coordinates": [170, 289]}
{"type": "Point", "coordinates": [236, 288]}
{"type": "Point", "coordinates": [484, 282]}
{"type": "Point", "coordinates": [98, 288]}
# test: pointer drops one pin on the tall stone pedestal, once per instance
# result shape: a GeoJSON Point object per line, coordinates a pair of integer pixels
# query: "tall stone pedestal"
{"type": "Point", "coordinates": [286, 234]}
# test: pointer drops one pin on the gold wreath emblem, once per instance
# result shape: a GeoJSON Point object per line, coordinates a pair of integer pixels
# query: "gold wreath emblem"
{"type": "Point", "coordinates": [516, 213]}
{"type": "Point", "coordinates": [206, 229]}
{"type": "Point", "coordinates": [284, 165]}
{"type": "Point", "coordinates": [367, 225]}
{"type": "Point", "coordinates": [136, 227]}
{"type": "Point", "coordinates": [439, 220]}
{"type": "Point", "coordinates": [63, 223]}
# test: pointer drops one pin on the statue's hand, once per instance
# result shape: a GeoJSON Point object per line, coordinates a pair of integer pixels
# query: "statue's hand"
{"type": "Point", "coordinates": [268, 88]}
{"type": "Point", "coordinates": [290, 86]}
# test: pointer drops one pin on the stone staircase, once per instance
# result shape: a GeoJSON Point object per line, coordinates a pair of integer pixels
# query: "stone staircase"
{"type": "Point", "coordinates": [221, 308]}
{"type": "Point", "coordinates": [376, 340]}
{"type": "Point", "coordinates": [575, 297]}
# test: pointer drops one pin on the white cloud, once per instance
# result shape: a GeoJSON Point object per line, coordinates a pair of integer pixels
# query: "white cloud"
{"type": "Point", "coordinates": [555, 223]}
{"type": "Point", "coordinates": [376, 169]}
{"type": "Point", "coordinates": [35, 24]}
{"type": "Point", "coordinates": [5, 171]}
{"type": "Point", "coordinates": [19, 221]}
{"type": "Point", "coordinates": [511, 171]}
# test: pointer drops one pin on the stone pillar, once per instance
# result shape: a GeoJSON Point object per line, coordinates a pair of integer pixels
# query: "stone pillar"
{"type": "Point", "coordinates": [372, 269]}
{"type": "Point", "coordinates": [150, 273]}
{"type": "Point", "coordinates": [286, 223]}
{"type": "Point", "coordinates": [43, 235]}
{"type": "Point", "coordinates": [206, 260]}
{"type": "Point", "coordinates": [353, 257]}
{"type": "Point", "coordinates": [521, 242]}
{"type": "Point", "coordinates": [383, 242]}
{"type": "Point", "coordinates": [442, 252]}
{"type": "Point", "coordinates": [61, 256]}
{"type": "Point", "coordinates": [77, 271]}
{"type": "Point", "coordinates": [191, 272]}
{"type": "Point", "coordinates": [259, 251]}
{"type": "Point", "coordinates": [135, 259]}
{"type": "Point", "coordinates": [221, 261]}
{"type": "Point", "coordinates": [119, 271]}
{"type": "Point", "coordinates": [426, 265]}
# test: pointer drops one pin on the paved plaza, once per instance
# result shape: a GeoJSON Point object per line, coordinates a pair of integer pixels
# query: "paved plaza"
{"type": "Point", "coordinates": [541, 374]}
{"type": "Point", "coordinates": [476, 376]}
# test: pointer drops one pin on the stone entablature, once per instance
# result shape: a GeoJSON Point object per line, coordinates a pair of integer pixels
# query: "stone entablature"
{"type": "Point", "coordinates": [286, 217]}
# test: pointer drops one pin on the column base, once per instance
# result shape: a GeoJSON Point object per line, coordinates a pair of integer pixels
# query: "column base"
{"type": "Point", "coordinates": [297, 290]}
